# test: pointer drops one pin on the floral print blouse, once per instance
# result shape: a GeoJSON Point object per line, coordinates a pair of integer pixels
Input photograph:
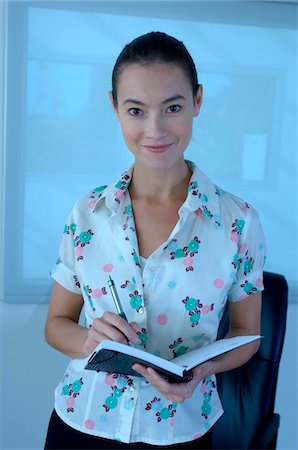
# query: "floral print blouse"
{"type": "Point", "coordinates": [214, 254]}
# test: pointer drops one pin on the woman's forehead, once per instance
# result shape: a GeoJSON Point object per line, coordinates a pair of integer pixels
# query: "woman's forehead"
{"type": "Point", "coordinates": [161, 80]}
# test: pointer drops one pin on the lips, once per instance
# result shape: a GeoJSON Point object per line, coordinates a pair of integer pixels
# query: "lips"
{"type": "Point", "coordinates": [157, 148]}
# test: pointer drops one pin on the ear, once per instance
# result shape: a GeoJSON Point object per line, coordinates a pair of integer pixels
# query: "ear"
{"type": "Point", "coordinates": [112, 103]}
{"type": "Point", "coordinates": [198, 100]}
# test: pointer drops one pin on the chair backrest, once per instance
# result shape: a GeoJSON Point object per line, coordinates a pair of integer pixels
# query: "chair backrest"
{"type": "Point", "coordinates": [248, 392]}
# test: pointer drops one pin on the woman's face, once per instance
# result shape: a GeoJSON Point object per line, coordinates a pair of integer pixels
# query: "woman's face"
{"type": "Point", "coordinates": [156, 108]}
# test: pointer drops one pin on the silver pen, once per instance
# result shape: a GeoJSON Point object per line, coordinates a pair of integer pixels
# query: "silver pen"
{"type": "Point", "coordinates": [116, 299]}
{"type": "Point", "coordinates": [117, 302]}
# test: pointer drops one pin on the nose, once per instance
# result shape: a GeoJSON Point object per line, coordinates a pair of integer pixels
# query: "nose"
{"type": "Point", "coordinates": [156, 127]}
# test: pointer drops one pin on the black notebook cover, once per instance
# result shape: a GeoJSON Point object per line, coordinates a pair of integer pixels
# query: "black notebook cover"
{"type": "Point", "coordinates": [114, 362]}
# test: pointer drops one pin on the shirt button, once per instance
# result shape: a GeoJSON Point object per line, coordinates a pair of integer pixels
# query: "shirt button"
{"type": "Point", "coordinates": [152, 269]}
{"type": "Point", "coordinates": [132, 388]}
{"type": "Point", "coordinates": [141, 310]}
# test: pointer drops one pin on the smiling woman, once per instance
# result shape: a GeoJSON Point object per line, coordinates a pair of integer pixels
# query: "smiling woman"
{"type": "Point", "coordinates": [161, 221]}
{"type": "Point", "coordinates": [155, 106]}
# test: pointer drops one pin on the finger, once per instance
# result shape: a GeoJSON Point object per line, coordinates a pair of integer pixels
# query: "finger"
{"type": "Point", "coordinates": [115, 328]}
{"type": "Point", "coordinates": [122, 325]}
{"type": "Point", "coordinates": [181, 391]}
{"type": "Point", "coordinates": [156, 379]}
{"type": "Point", "coordinates": [134, 326]}
{"type": "Point", "coordinates": [176, 399]}
{"type": "Point", "coordinates": [162, 385]}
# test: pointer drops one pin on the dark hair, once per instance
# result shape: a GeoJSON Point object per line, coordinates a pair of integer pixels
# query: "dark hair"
{"type": "Point", "coordinates": [155, 47]}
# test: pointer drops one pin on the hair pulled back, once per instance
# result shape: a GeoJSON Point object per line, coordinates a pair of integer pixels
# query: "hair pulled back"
{"type": "Point", "coordinates": [155, 47]}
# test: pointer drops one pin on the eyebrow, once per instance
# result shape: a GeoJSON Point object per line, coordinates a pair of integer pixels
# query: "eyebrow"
{"type": "Point", "coordinates": [167, 100]}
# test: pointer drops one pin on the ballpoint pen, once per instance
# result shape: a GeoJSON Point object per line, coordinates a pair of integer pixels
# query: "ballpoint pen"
{"type": "Point", "coordinates": [116, 299]}
{"type": "Point", "coordinates": [117, 302]}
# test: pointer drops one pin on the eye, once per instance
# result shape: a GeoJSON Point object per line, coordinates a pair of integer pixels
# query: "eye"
{"type": "Point", "coordinates": [136, 112]}
{"type": "Point", "coordinates": [174, 108]}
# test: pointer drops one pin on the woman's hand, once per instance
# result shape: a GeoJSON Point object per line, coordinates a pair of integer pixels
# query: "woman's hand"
{"type": "Point", "coordinates": [63, 332]}
{"type": "Point", "coordinates": [175, 392]}
{"type": "Point", "coordinates": [112, 327]}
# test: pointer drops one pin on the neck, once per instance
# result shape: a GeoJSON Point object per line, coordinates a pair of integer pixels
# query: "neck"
{"type": "Point", "coordinates": [160, 184]}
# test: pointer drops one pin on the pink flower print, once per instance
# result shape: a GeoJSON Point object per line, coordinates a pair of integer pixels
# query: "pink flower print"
{"type": "Point", "coordinates": [195, 308]}
{"type": "Point", "coordinates": [162, 319]}
{"type": "Point", "coordinates": [188, 262]}
{"type": "Point", "coordinates": [234, 237]}
{"type": "Point", "coordinates": [243, 247]}
{"type": "Point", "coordinates": [81, 241]}
{"type": "Point", "coordinates": [121, 187]}
{"type": "Point", "coordinates": [92, 204]}
{"type": "Point", "coordinates": [89, 424]}
{"type": "Point", "coordinates": [79, 252]}
{"type": "Point", "coordinates": [119, 194]}
{"type": "Point", "coordinates": [109, 379]}
{"type": "Point", "coordinates": [206, 309]}
{"type": "Point", "coordinates": [108, 267]}
{"type": "Point", "coordinates": [208, 385]}
{"type": "Point", "coordinates": [218, 283]}
{"type": "Point", "coordinates": [70, 401]}
{"type": "Point", "coordinates": [187, 253]}
{"type": "Point", "coordinates": [198, 212]}
{"type": "Point", "coordinates": [72, 390]}
{"type": "Point", "coordinates": [96, 293]}
{"type": "Point", "coordinates": [203, 387]}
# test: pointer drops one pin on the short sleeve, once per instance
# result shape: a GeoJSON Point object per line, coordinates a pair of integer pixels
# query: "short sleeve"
{"type": "Point", "coordinates": [64, 271]}
{"type": "Point", "coordinates": [250, 259]}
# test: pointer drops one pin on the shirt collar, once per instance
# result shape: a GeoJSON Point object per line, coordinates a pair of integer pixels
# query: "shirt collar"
{"type": "Point", "coordinates": [202, 198]}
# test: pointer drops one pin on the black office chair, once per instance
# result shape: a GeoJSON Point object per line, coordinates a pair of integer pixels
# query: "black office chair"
{"type": "Point", "coordinates": [248, 392]}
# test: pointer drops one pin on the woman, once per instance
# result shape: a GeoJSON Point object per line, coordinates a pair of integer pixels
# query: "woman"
{"type": "Point", "coordinates": [177, 247]}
